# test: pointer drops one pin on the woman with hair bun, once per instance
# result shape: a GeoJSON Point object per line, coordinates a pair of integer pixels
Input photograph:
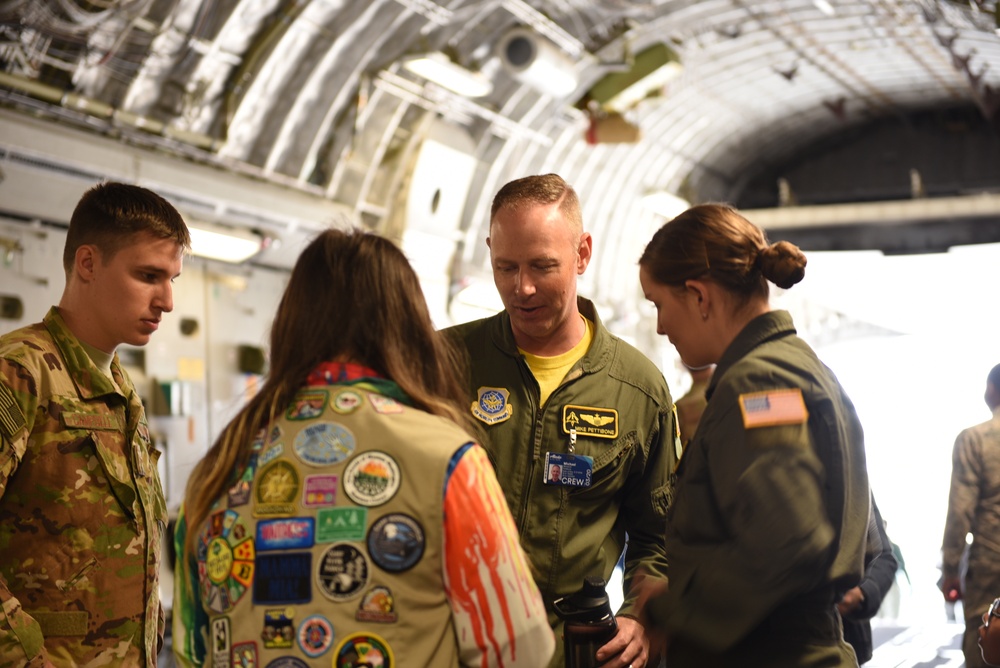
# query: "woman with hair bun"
{"type": "Point", "coordinates": [767, 527]}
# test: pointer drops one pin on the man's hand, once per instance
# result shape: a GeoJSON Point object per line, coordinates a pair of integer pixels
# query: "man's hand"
{"type": "Point", "coordinates": [629, 647]}
{"type": "Point", "coordinates": [951, 588]}
{"type": "Point", "coordinates": [852, 601]}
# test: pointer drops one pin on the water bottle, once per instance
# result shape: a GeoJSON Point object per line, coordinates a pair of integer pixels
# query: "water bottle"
{"type": "Point", "coordinates": [588, 621]}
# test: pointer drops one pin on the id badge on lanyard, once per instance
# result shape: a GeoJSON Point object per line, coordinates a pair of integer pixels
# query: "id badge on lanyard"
{"type": "Point", "coordinates": [568, 469]}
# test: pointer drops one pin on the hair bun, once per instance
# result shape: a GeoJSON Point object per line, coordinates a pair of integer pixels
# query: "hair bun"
{"type": "Point", "coordinates": [782, 263]}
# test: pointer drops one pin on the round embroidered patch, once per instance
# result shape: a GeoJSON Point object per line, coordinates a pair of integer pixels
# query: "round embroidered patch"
{"type": "Point", "coordinates": [324, 444]}
{"type": "Point", "coordinates": [315, 635]}
{"type": "Point", "coordinates": [371, 478]}
{"type": "Point", "coordinates": [225, 556]}
{"type": "Point", "coordinates": [346, 401]}
{"type": "Point", "coordinates": [363, 649]}
{"type": "Point", "coordinates": [342, 572]}
{"type": "Point", "coordinates": [396, 542]}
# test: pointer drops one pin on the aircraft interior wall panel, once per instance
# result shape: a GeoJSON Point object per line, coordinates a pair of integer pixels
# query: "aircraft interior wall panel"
{"type": "Point", "coordinates": [34, 274]}
{"type": "Point", "coordinates": [239, 311]}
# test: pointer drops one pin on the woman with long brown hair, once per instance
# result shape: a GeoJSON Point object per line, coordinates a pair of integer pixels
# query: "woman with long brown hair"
{"type": "Point", "coordinates": [767, 526]}
{"type": "Point", "coordinates": [345, 514]}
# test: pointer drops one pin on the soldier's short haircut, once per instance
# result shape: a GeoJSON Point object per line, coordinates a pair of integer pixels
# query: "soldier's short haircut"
{"type": "Point", "coordinates": [540, 189]}
{"type": "Point", "coordinates": [110, 214]}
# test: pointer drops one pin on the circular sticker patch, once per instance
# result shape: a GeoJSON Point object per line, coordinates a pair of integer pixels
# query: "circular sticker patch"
{"type": "Point", "coordinates": [371, 479]}
{"type": "Point", "coordinates": [363, 649]}
{"type": "Point", "coordinates": [225, 557]}
{"type": "Point", "coordinates": [324, 444]}
{"type": "Point", "coordinates": [342, 572]}
{"type": "Point", "coordinates": [396, 542]}
{"type": "Point", "coordinates": [315, 635]}
{"type": "Point", "coordinates": [346, 401]}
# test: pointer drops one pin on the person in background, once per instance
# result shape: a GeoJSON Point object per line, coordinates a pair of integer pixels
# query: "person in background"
{"type": "Point", "coordinates": [974, 507]}
{"type": "Point", "coordinates": [370, 530]}
{"type": "Point", "coordinates": [692, 404]}
{"type": "Point", "coordinates": [551, 385]}
{"type": "Point", "coordinates": [768, 524]}
{"type": "Point", "coordinates": [82, 512]}
{"type": "Point", "coordinates": [859, 604]}
{"type": "Point", "coordinates": [989, 635]}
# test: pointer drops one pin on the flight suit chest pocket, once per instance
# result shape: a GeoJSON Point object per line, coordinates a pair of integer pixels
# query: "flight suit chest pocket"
{"type": "Point", "coordinates": [611, 458]}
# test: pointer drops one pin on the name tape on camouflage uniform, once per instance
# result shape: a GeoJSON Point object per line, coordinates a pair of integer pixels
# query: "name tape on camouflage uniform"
{"type": "Point", "coordinates": [773, 408]}
{"type": "Point", "coordinates": [92, 421]}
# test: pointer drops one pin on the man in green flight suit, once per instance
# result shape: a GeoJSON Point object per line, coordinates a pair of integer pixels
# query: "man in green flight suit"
{"type": "Point", "coordinates": [82, 512]}
{"type": "Point", "coordinates": [579, 425]}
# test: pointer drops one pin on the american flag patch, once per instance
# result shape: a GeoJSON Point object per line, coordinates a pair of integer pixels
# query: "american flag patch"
{"type": "Point", "coordinates": [767, 409]}
{"type": "Point", "coordinates": [11, 417]}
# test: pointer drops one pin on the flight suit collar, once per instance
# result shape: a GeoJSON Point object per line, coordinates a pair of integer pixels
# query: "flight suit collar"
{"type": "Point", "coordinates": [90, 381]}
{"type": "Point", "coordinates": [770, 325]}
{"type": "Point", "coordinates": [595, 358]}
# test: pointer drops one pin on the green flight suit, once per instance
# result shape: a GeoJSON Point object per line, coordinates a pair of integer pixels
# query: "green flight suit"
{"type": "Point", "coordinates": [770, 514]}
{"type": "Point", "coordinates": [974, 507]}
{"type": "Point", "coordinates": [82, 512]}
{"type": "Point", "coordinates": [569, 533]}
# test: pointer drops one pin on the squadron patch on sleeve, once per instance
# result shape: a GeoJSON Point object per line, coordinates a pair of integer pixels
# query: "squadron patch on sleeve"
{"type": "Point", "coordinates": [772, 408]}
{"type": "Point", "coordinates": [493, 405]}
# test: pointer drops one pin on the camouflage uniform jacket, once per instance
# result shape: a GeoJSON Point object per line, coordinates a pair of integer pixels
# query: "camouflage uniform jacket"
{"type": "Point", "coordinates": [82, 512]}
{"type": "Point", "coordinates": [974, 507]}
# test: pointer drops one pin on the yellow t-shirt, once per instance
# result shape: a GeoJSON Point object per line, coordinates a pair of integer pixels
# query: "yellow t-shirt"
{"type": "Point", "coordinates": [549, 371]}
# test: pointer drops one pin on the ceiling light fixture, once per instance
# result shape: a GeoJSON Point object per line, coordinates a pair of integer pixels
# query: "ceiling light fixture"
{"type": "Point", "coordinates": [648, 74]}
{"type": "Point", "coordinates": [825, 7]}
{"type": "Point", "coordinates": [536, 62]}
{"type": "Point", "coordinates": [440, 69]}
{"type": "Point", "coordinates": [228, 244]}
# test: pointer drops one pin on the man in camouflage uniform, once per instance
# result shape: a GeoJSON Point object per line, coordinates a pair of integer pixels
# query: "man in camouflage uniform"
{"type": "Point", "coordinates": [974, 507]}
{"type": "Point", "coordinates": [82, 512]}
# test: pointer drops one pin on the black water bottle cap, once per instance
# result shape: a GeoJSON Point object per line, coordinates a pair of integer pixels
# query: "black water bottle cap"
{"type": "Point", "coordinates": [592, 594]}
{"type": "Point", "coordinates": [589, 604]}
